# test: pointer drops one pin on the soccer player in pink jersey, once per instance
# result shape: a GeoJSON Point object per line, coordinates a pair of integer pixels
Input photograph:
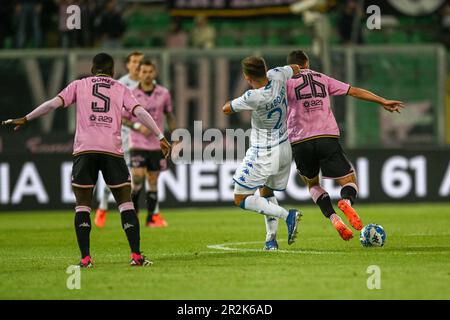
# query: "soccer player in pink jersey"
{"type": "Point", "coordinates": [98, 147]}
{"type": "Point", "coordinates": [130, 80]}
{"type": "Point", "coordinates": [147, 159]}
{"type": "Point", "coordinates": [314, 136]}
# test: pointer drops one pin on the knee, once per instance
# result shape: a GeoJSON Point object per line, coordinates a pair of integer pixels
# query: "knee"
{"type": "Point", "coordinates": [238, 200]}
{"type": "Point", "coordinates": [138, 181]}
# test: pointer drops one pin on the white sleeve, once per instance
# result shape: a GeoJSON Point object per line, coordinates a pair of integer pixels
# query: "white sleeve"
{"type": "Point", "coordinates": [281, 73]}
{"type": "Point", "coordinates": [248, 101]}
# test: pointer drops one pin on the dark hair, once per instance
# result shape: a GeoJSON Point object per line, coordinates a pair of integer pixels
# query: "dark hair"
{"type": "Point", "coordinates": [103, 63]}
{"type": "Point", "coordinates": [254, 67]}
{"type": "Point", "coordinates": [297, 57]}
{"type": "Point", "coordinates": [132, 54]}
{"type": "Point", "coordinates": [146, 62]}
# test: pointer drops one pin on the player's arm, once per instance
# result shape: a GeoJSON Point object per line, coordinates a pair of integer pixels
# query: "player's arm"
{"type": "Point", "coordinates": [136, 126]}
{"type": "Point", "coordinates": [389, 105]}
{"type": "Point", "coordinates": [171, 121]}
{"type": "Point", "coordinates": [227, 109]}
{"type": "Point", "coordinates": [146, 119]}
{"type": "Point", "coordinates": [40, 111]}
{"type": "Point", "coordinates": [296, 69]}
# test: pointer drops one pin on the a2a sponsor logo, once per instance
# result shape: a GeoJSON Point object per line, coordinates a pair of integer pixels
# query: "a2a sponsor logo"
{"type": "Point", "coordinates": [105, 119]}
{"type": "Point", "coordinates": [313, 103]}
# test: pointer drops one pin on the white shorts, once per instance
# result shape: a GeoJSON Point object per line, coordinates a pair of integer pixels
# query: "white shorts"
{"type": "Point", "coordinates": [261, 167]}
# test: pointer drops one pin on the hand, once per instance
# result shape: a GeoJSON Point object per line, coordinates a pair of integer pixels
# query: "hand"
{"type": "Point", "coordinates": [144, 130]}
{"type": "Point", "coordinates": [166, 148]}
{"type": "Point", "coordinates": [393, 105]}
{"type": "Point", "coordinates": [15, 122]}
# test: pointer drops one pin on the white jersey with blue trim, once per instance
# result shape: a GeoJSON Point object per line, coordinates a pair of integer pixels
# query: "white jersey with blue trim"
{"type": "Point", "coordinates": [269, 109]}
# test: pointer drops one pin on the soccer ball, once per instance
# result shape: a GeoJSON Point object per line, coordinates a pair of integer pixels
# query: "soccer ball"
{"type": "Point", "coordinates": [372, 235]}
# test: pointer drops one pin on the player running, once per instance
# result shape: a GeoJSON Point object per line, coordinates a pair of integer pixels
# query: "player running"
{"type": "Point", "coordinates": [314, 136]}
{"type": "Point", "coordinates": [98, 147]}
{"type": "Point", "coordinates": [131, 80]}
{"type": "Point", "coordinates": [147, 159]}
{"type": "Point", "coordinates": [267, 162]}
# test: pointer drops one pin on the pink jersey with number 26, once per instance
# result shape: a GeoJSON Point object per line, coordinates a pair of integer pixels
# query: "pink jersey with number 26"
{"type": "Point", "coordinates": [99, 102]}
{"type": "Point", "coordinates": [309, 111]}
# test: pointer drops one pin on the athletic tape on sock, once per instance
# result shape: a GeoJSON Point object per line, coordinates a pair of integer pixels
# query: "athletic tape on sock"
{"type": "Point", "coordinates": [82, 209]}
{"type": "Point", "coordinates": [126, 206]}
{"type": "Point", "coordinates": [316, 192]}
{"type": "Point", "coordinates": [352, 185]}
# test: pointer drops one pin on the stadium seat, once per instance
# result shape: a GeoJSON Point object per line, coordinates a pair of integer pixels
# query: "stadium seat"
{"type": "Point", "coordinates": [398, 37]}
{"type": "Point", "coordinates": [253, 41]}
{"type": "Point", "coordinates": [226, 41]}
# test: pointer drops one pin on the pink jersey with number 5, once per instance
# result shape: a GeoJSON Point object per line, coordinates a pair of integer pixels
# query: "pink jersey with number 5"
{"type": "Point", "coordinates": [309, 111]}
{"type": "Point", "coordinates": [99, 102]}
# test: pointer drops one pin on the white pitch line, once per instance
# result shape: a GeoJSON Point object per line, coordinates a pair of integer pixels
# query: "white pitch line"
{"type": "Point", "coordinates": [226, 247]}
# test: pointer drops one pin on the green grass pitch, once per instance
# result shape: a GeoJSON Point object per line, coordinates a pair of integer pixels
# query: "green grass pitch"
{"type": "Point", "coordinates": [216, 254]}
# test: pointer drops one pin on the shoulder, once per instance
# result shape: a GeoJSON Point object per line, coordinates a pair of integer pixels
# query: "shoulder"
{"type": "Point", "coordinates": [252, 95]}
{"type": "Point", "coordinates": [162, 90]}
{"type": "Point", "coordinates": [123, 79]}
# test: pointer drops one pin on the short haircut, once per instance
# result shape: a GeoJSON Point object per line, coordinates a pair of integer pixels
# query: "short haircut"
{"type": "Point", "coordinates": [297, 57]}
{"type": "Point", "coordinates": [103, 63]}
{"type": "Point", "coordinates": [146, 62]}
{"type": "Point", "coordinates": [132, 54]}
{"type": "Point", "coordinates": [254, 67]}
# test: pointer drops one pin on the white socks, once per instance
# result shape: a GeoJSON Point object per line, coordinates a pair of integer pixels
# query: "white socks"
{"type": "Point", "coordinates": [271, 223]}
{"type": "Point", "coordinates": [264, 206]}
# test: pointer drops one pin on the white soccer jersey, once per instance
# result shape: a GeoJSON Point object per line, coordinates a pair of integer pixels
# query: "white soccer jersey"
{"type": "Point", "coordinates": [130, 83]}
{"type": "Point", "coordinates": [125, 132]}
{"type": "Point", "coordinates": [269, 108]}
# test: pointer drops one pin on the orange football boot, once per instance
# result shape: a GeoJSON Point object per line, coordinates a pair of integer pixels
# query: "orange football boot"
{"type": "Point", "coordinates": [157, 221]}
{"type": "Point", "coordinates": [351, 214]}
{"type": "Point", "coordinates": [342, 229]}
{"type": "Point", "coordinates": [100, 218]}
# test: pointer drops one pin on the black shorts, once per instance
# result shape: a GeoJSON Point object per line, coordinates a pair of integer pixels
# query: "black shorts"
{"type": "Point", "coordinates": [87, 165]}
{"type": "Point", "coordinates": [152, 160]}
{"type": "Point", "coordinates": [321, 154]}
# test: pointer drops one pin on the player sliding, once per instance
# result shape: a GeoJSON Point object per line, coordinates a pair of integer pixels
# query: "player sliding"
{"type": "Point", "coordinates": [131, 80]}
{"type": "Point", "coordinates": [314, 136]}
{"type": "Point", "coordinates": [147, 159]}
{"type": "Point", "coordinates": [267, 162]}
{"type": "Point", "coordinates": [98, 147]}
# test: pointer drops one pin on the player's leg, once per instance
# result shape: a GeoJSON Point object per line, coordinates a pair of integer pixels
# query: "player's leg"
{"type": "Point", "coordinates": [138, 169]}
{"type": "Point", "coordinates": [138, 182]}
{"type": "Point", "coordinates": [335, 165]}
{"type": "Point", "coordinates": [100, 214]}
{"type": "Point", "coordinates": [307, 159]}
{"type": "Point", "coordinates": [253, 173]}
{"type": "Point", "coordinates": [280, 162]}
{"type": "Point", "coordinates": [349, 193]}
{"type": "Point", "coordinates": [84, 177]}
{"type": "Point", "coordinates": [117, 177]}
{"type": "Point", "coordinates": [155, 164]}
{"type": "Point", "coordinates": [271, 222]}
{"type": "Point", "coordinates": [82, 223]}
{"type": "Point", "coordinates": [130, 224]}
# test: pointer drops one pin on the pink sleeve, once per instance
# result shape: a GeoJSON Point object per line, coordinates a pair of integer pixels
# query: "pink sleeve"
{"type": "Point", "coordinates": [168, 106]}
{"type": "Point", "coordinates": [129, 101]}
{"type": "Point", "coordinates": [336, 87]}
{"type": "Point", "coordinates": [69, 94]}
{"type": "Point", "coordinates": [146, 119]}
{"type": "Point", "coordinates": [126, 114]}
